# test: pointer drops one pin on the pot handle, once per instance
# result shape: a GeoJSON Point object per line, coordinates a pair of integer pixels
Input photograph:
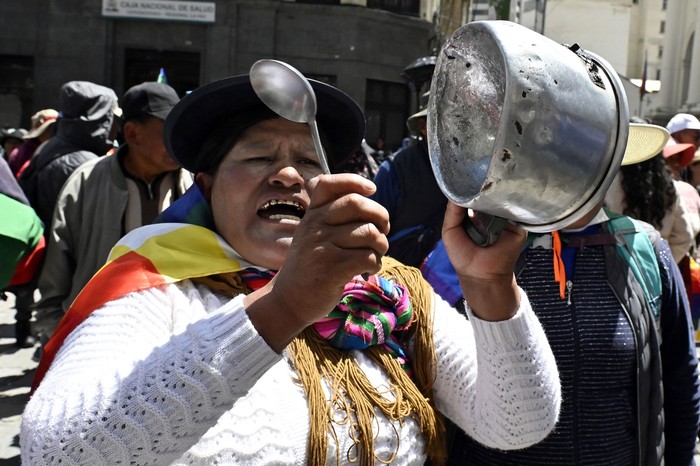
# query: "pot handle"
{"type": "Point", "coordinates": [486, 230]}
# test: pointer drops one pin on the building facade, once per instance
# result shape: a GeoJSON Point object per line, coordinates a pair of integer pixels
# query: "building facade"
{"type": "Point", "coordinates": [680, 64]}
{"type": "Point", "coordinates": [633, 36]}
{"type": "Point", "coordinates": [360, 47]}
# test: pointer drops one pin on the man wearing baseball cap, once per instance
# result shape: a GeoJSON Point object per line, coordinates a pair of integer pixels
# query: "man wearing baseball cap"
{"type": "Point", "coordinates": [106, 198]}
{"type": "Point", "coordinates": [685, 129]}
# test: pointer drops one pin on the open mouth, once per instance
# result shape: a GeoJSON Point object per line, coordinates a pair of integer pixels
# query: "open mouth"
{"type": "Point", "coordinates": [278, 209]}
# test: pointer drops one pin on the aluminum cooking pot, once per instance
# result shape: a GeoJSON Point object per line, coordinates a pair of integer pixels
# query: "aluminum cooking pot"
{"type": "Point", "coordinates": [522, 128]}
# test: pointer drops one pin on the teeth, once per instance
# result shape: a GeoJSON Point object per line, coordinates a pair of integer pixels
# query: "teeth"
{"type": "Point", "coordinates": [273, 202]}
{"type": "Point", "coordinates": [284, 216]}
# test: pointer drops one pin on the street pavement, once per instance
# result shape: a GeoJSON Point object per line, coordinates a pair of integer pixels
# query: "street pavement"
{"type": "Point", "coordinates": [16, 373]}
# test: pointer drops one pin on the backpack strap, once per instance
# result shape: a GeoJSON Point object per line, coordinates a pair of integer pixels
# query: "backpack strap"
{"type": "Point", "coordinates": [635, 246]}
{"type": "Point", "coordinates": [632, 242]}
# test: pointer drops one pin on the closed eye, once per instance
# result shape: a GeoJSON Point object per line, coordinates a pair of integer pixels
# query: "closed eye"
{"type": "Point", "coordinates": [312, 162]}
{"type": "Point", "coordinates": [261, 158]}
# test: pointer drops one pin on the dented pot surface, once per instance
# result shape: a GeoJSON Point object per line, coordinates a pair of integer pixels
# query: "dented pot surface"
{"type": "Point", "coordinates": [522, 127]}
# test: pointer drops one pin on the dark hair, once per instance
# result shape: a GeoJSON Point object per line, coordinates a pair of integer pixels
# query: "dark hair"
{"type": "Point", "coordinates": [649, 190]}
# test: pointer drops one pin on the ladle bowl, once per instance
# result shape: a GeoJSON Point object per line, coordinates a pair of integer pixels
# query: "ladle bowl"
{"type": "Point", "coordinates": [288, 93]}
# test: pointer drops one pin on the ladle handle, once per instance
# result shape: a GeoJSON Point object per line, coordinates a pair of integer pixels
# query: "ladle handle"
{"type": "Point", "coordinates": [320, 153]}
{"type": "Point", "coordinates": [487, 229]}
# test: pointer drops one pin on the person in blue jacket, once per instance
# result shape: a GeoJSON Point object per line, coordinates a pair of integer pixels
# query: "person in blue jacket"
{"type": "Point", "coordinates": [407, 189]}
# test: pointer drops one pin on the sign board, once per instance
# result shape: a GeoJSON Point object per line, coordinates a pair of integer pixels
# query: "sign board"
{"type": "Point", "coordinates": [167, 10]}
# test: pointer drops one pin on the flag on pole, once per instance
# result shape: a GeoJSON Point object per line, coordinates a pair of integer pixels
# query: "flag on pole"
{"type": "Point", "coordinates": [643, 87]}
{"type": "Point", "coordinates": [161, 77]}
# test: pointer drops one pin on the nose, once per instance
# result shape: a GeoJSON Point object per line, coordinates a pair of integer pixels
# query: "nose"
{"type": "Point", "coordinates": [287, 176]}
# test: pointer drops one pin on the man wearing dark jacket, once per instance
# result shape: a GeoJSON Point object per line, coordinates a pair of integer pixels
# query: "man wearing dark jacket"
{"type": "Point", "coordinates": [83, 131]}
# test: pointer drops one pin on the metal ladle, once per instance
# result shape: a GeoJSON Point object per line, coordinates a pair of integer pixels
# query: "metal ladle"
{"type": "Point", "coordinates": [289, 94]}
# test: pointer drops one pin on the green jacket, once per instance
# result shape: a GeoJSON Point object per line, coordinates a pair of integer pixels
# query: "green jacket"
{"type": "Point", "coordinates": [20, 231]}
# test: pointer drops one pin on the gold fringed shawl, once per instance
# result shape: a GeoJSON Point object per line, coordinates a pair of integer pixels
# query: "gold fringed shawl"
{"type": "Point", "coordinates": [351, 393]}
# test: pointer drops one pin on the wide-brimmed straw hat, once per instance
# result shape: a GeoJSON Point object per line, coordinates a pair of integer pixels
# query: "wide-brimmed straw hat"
{"type": "Point", "coordinates": [644, 142]}
{"type": "Point", "coordinates": [190, 122]}
{"type": "Point", "coordinates": [423, 113]}
{"type": "Point", "coordinates": [686, 152]}
{"type": "Point", "coordinates": [411, 121]}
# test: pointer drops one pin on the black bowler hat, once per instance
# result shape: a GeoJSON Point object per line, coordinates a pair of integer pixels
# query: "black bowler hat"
{"type": "Point", "coordinates": [148, 98]}
{"type": "Point", "coordinates": [190, 122]}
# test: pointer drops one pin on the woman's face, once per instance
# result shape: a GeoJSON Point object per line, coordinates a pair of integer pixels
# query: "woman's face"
{"type": "Point", "coordinates": [258, 194]}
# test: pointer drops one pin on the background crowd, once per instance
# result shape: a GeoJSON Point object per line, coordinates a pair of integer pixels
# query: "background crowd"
{"type": "Point", "coordinates": [96, 169]}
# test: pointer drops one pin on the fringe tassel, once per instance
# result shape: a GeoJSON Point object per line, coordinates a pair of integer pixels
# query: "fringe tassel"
{"type": "Point", "coordinates": [353, 398]}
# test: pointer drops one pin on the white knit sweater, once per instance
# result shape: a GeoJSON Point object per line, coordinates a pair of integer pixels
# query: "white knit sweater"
{"type": "Point", "coordinates": [178, 375]}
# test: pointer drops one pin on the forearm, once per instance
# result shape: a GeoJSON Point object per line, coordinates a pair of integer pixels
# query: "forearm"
{"type": "Point", "coordinates": [681, 390]}
{"type": "Point", "coordinates": [491, 300]}
{"type": "Point", "coordinates": [272, 318]}
{"type": "Point", "coordinates": [497, 380]}
{"type": "Point", "coordinates": [681, 418]}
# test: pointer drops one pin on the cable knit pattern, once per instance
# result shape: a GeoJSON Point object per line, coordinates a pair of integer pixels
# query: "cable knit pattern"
{"type": "Point", "coordinates": [176, 375]}
{"type": "Point", "coordinates": [507, 407]}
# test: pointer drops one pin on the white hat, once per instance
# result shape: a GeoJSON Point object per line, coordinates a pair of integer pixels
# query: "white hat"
{"type": "Point", "coordinates": [682, 121]}
{"type": "Point", "coordinates": [644, 142]}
